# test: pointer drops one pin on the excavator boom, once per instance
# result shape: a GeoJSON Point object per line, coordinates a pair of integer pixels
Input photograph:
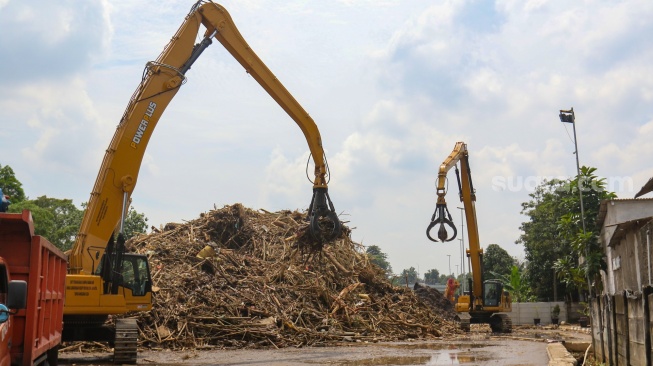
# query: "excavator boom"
{"type": "Point", "coordinates": [161, 81]}
{"type": "Point", "coordinates": [103, 279]}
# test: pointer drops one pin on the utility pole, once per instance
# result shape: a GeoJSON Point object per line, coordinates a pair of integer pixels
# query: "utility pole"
{"type": "Point", "coordinates": [568, 116]}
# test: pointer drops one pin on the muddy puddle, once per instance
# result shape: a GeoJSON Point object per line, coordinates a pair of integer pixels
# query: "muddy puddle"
{"type": "Point", "coordinates": [444, 358]}
{"type": "Point", "coordinates": [435, 354]}
{"type": "Point", "coordinates": [489, 352]}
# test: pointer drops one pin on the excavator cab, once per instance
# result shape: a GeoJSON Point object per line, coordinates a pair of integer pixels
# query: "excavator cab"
{"type": "Point", "coordinates": [136, 275]}
{"type": "Point", "coordinates": [132, 275]}
{"type": "Point", "coordinates": [492, 293]}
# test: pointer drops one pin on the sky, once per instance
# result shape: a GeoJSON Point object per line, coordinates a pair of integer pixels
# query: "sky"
{"type": "Point", "coordinates": [392, 86]}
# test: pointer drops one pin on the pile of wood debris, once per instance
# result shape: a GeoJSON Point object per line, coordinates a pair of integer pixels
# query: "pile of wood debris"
{"type": "Point", "coordinates": [239, 278]}
{"type": "Point", "coordinates": [436, 300]}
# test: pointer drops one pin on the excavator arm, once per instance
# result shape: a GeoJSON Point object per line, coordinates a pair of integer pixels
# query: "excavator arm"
{"type": "Point", "coordinates": [442, 217]}
{"type": "Point", "coordinates": [161, 80]}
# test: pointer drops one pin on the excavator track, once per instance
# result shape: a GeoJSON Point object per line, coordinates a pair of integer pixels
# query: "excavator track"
{"type": "Point", "coordinates": [125, 348]}
{"type": "Point", "coordinates": [501, 323]}
{"type": "Point", "coordinates": [465, 321]}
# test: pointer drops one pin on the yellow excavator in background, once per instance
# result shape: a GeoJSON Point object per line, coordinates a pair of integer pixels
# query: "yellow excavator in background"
{"type": "Point", "coordinates": [487, 299]}
{"type": "Point", "coordinates": [103, 279]}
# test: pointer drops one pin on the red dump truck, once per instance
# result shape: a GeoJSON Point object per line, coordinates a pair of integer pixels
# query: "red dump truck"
{"type": "Point", "coordinates": [32, 277]}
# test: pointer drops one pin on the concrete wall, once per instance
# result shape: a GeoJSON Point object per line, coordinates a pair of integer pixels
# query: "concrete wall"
{"type": "Point", "coordinates": [524, 312]}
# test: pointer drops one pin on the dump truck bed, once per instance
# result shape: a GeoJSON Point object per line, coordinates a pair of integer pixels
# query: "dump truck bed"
{"type": "Point", "coordinates": [32, 258]}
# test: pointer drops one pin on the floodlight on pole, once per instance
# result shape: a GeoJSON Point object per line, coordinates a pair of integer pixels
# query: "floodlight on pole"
{"type": "Point", "coordinates": [568, 116]}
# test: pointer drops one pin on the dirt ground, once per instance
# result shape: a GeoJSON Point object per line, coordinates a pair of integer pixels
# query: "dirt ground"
{"type": "Point", "coordinates": [526, 346]}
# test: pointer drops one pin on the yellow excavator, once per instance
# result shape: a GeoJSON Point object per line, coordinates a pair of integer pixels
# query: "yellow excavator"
{"type": "Point", "coordinates": [487, 301]}
{"type": "Point", "coordinates": [103, 280]}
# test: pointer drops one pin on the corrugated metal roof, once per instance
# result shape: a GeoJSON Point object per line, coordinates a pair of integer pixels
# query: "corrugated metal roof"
{"type": "Point", "coordinates": [648, 187]}
{"type": "Point", "coordinates": [624, 227]}
{"type": "Point", "coordinates": [630, 199]}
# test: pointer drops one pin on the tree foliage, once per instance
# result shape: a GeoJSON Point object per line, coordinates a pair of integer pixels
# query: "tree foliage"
{"type": "Point", "coordinates": [57, 220]}
{"type": "Point", "coordinates": [584, 240]}
{"type": "Point", "coordinates": [379, 258]}
{"type": "Point", "coordinates": [496, 262]}
{"type": "Point", "coordinates": [541, 238]}
{"type": "Point", "coordinates": [432, 276]}
{"type": "Point", "coordinates": [135, 223]}
{"type": "Point", "coordinates": [10, 185]}
{"type": "Point", "coordinates": [553, 237]}
{"type": "Point", "coordinates": [515, 282]}
{"type": "Point", "coordinates": [406, 276]}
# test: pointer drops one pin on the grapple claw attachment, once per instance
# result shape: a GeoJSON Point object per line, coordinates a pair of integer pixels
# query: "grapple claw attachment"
{"type": "Point", "coordinates": [443, 217]}
{"type": "Point", "coordinates": [322, 207]}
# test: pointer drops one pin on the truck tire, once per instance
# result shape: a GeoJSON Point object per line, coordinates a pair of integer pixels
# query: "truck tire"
{"type": "Point", "coordinates": [53, 356]}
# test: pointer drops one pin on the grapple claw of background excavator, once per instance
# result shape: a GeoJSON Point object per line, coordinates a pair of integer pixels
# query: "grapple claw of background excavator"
{"type": "Point", "coordinates": [440, 218]}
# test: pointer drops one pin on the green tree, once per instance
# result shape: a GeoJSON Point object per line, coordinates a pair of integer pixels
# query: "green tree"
{"type": "Point", "coordinates": [10, 185]}
{"type": "Point", "coordinates": [515, 282]}
{"type": "Point", "coordinates": [543, 243]}
{"type": "Point", "coordinates": [135, 223]}
{"type": "Point", "coordinates": [496, 261]}
{"type": "Point", "coordinates": [432, 276]}
{"type": "Point", "coordinates": [379, 258]}
{"type": "Point", "coordinates": [409, 275]}
{"type": "Point", "coordinates": [583, 241]}
{"type": "Point", "coordinates": [570, 275]}
{"type": "Point", "coordinates": [57, 220]}
{"type": "Point", "coordinates": [553, 237]}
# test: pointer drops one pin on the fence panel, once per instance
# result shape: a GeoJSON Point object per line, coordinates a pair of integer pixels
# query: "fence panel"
{"type": "Point", "coordinates": [621, 330]}
{"type": "Point", "coordinates": [636, 325]}
{"type": "Point", "coordinates": [599, 334]}
{"type": "Point", "coordinates": [609, 334]}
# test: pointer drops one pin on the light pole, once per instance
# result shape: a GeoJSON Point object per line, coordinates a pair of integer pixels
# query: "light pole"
{"type": "Point", "coordinates": [449, 255]}
{"type": "Point", "coordinates": [462, 247]}
{"type": "Point", "coordinates": [462, 286]}
{"type": "Point", "coordinates": [568, 116]}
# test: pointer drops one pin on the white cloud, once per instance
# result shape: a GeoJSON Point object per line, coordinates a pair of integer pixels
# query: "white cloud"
{"type": "Point", "coordinates": [391, 87]}
{"type": "Point", "coordinates": [37, 47]}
